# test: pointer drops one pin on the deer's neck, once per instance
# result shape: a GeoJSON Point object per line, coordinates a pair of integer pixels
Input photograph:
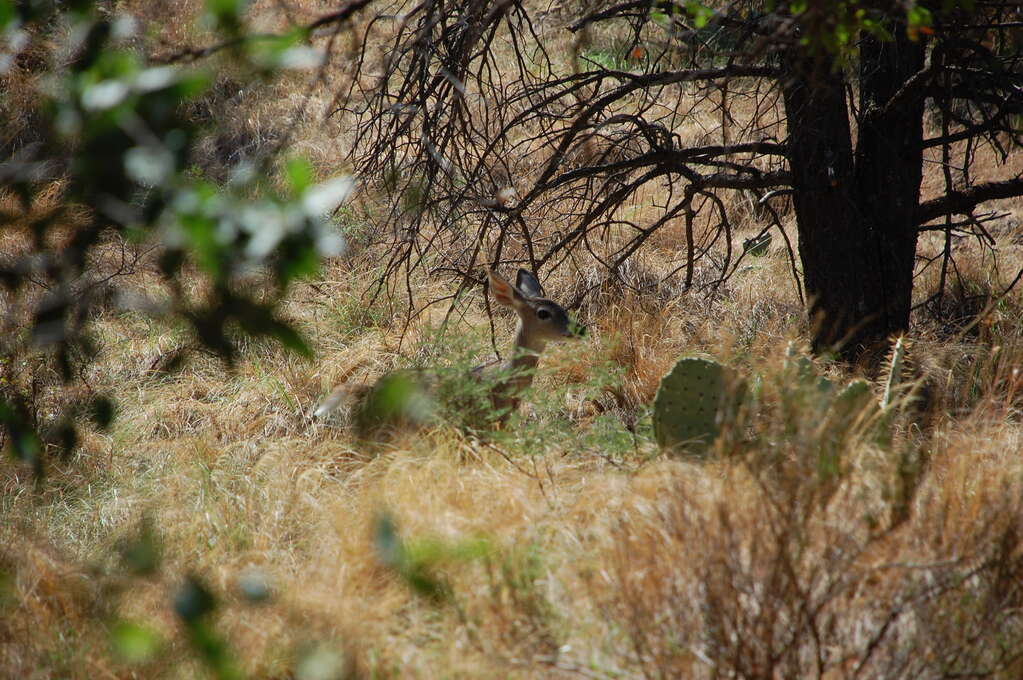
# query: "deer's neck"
{"type": "Point", "coordinates": [526, 354]}
{"type": "Point", "coordinates": [522, 366]}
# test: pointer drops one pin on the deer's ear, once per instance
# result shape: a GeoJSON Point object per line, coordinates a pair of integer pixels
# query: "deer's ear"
{"type": "Point", "coordinates": [503, 291]}
{"type": "Point", "coordinates": [526, 282]}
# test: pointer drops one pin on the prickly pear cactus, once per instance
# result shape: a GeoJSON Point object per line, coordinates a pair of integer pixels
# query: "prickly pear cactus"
{"type": "Point", "coordinates": [855, 395]}
{"type": "Point", "coordinates": [801, 368]}
{"type": "Point", "coordinates": [853, 399]}
{"type": "Point", "coordinates": [687, 404]}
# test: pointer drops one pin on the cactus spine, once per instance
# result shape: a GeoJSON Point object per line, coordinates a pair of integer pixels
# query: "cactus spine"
{"type": "Point", "coordinates": [894, 372]}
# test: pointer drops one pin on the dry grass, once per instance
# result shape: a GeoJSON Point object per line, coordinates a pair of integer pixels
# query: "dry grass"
{"type": "Point", "coordinates": [569, 548]}
{"type": "Point", "coordinates": [600, 561]}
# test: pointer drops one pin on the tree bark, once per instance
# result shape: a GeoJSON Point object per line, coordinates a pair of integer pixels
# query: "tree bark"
{"type": "Point", "coordinates": [840, 270]}
{"type": "Point", "coordinates": [856, 212]}
{"type": "Point", "coordinates": [889, 169]}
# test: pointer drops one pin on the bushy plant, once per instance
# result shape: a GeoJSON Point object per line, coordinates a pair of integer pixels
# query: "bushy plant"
{"type": "Point", "coordinates": [108, 162]}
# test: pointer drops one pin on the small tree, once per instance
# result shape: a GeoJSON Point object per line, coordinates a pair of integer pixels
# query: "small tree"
{"type": "Point", "coordinates": [470, 91]}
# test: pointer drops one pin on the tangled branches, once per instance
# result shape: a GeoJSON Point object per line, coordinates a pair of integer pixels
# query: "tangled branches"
{"type": "Point", "coordinates": [500, 133]}
{"type": "Point", "coordinates": [496, 148]}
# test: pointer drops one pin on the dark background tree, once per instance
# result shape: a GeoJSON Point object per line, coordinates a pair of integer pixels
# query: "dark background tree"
{"type": "Point", "coordinates": [865, 90]}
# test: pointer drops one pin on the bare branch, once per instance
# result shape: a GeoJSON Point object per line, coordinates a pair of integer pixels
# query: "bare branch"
{"type": "Point", "coordinates": [636, 8]}
{"type": "Point", "coordinates": [765, 180]}
{"type": "Point", "coordinates": [962, 202]}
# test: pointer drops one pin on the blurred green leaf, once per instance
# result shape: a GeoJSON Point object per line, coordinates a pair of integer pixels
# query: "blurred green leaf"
{"type": "Point", "coordinates": [300, 262]}
{"type": "Point", "coordinates": [320, 662]}
{"type": "Point", "coordinates": [258, 319]}
{"type": "Point", "coordinates": [191, 85]}
{"type": "Point", "coordinates": [24, 441]}
{"type": "Point", "coordinates": [700, 13]}
{"type": "Point", "coordinates": [233, 7]}
{"type": "Point", "coordinates": [285, 51]}
{"type": "Point", "coordinates": [93, 46]}
{"type": "Point", "coordinates": [398, 398]}
{"type": "Point", "coordinates": [919, 20]}
{"type": "Point", "coordinates": [7, 13]}
{"type": "Point", "coordinates": [254, 586]}
{"type": "Point", "coordinates": [102, 412]}
{"type": "Point", "coordinates": [434, 550]}
{"type": "Point", "coordinates": [27, 446]}
{"type": "Point", "coordinates": [193, 600]}
{"type": "Point", "coordinates": [170, 262]}
{"type": "Point", "coordinates": [299, 58]}
{"type": "Point", "coordinates": [326, 197]}
{"type": "Point", "coordinates": [141, 555]}
{"type": "Point", "coordinates": [149, 165]}
{"type": "Point", "coordinates": [415, 561]}
{"type": "Point", "coordinates": [213, 651]}
{"type": "Point", "coordinates": [66, 438]}
{"type": "Point", "coordinates": [201, 233]}
{"type": "Point", "coordinates": [917, 15]}
{"type": "Point", "coordinates": [300, 174]}
{"type": "Point", "coordinates": [390, 552]}
{"type": "Point", "coordinates": [8, 592]}
{"type": "Point", "coordinates": [226, 15]}
{"type": "Point", "coordinates": [195, 604]}
{"type": "Point", "coordinates": [134, 643]}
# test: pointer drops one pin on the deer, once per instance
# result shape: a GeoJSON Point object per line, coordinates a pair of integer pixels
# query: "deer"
{"type": "Point", "coordinates": [540, 322]}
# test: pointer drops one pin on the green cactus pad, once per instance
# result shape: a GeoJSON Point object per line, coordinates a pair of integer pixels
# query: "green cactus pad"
{"type": "Point", "coordinates": [687, 404]}
{"type": "Point", "coordinates": [853, 399]}
{"type": "Point", "coordinates": [855, 394]}
{"type": "Point", "coordinates": [801, 368]}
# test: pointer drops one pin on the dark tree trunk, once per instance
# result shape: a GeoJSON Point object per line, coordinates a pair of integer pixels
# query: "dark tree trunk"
{"type": "Point", "coordinates": [889, 168]}
{"type": "Point", "coordinates": [856, 213]}
{"type": "Point", "coordinates": [840, 270]}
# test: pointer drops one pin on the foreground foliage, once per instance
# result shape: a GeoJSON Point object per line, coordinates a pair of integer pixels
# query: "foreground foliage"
{"type": "Point", "coordinates": [100, 183]}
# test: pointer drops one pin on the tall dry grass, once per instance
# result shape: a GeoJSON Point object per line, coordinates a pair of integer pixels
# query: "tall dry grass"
{"type": "Point", "coordinates": [568, 547]}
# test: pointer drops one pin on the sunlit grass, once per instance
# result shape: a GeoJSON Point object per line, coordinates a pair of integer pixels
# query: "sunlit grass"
{"type": "Point", "coordinates": [561, 544]}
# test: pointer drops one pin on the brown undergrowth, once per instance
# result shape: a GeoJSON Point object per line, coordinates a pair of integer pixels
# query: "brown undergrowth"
{"type": "Point", "coordinates": [594, 554]}
{"type": "Point", "coordinates": [564, 546]}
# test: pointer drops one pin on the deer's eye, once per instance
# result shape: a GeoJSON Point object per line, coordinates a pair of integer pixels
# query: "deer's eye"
{"type": "Point", "coordinates": [543, 314]}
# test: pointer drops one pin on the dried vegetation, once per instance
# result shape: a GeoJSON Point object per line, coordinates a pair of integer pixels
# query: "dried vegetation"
{"type": "Point", "coordinates": [568, 547]}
